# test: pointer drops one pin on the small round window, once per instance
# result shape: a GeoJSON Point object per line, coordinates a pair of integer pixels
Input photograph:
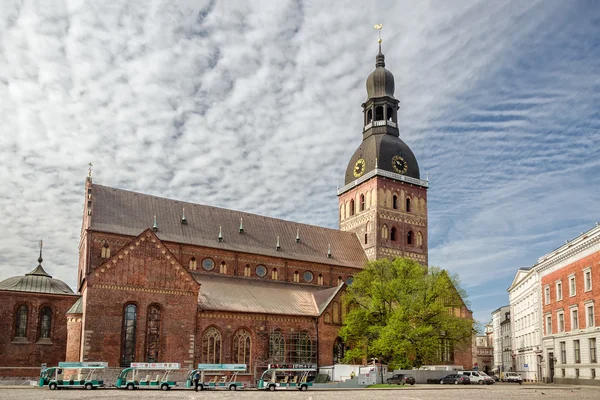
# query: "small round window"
{"type": "Point", "coordinates": [349, 280]}
{"type": "Point", "coordinates": [308, 276]}
{"type": "Point", "coordinates": [208, 264]}
{"type": "Point", "coordinates": [261, 270]}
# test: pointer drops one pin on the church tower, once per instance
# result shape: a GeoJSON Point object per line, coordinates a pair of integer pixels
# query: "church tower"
{"type": "Point", "coordinates": [384, 199]}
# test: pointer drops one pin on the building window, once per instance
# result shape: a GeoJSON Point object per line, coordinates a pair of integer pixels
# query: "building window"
{"type": "Point", "coordinates": [326, 318]}
{"type": "Point", "coordinates": [21, 321]}
{"type": "Point", "coordinates": [362, 202]}
{"type": "Point", "coordinates": [352, 207]}
{"type": "Point", "coordinates": [390, 114]}
{"type": "Point", "coordinates": [576, 372]}
{"type": "Point", "coordinates": [590, 315]}
{"type": "Point", "coordinates": [247, 270]}
{"type": "Point", "coordinates": [393, 234]}
{"type": "Point", "coordinates": [211, 346]}
{"type": "Point", "coordinates": [320, 279]}
{"type": "Point", "coordinates": [593, 372]}
{"type": "Point", "coordinates": [587, 280]}
{"type": "Point", "coordinates": [419, 239]}
{"type": "Point", "coordinates": [593, 357]}
{"type": "Point", "coordinates": [561, 322]}
{"type": "Point", "coordinates": [349, 280]}
{"type": "Point", "coordinates": [408, 204]}
{"type": "Point", "coordinates": [379, 113]}
{"type": "Point", "coordinates": [242, 347]}
{"type": "Point", "coordinates": [409, 237]}
{"type": "Point", "coordinates": [308, 276]}
{"type": "Point", "coordinates": [277, 346]}
{"type": "Point", "coordinates": [129, 330]}
{"type": "Point", "coordinates": [384, 231]}
{"type": "Point", "coordinates": [558, 290]}
{"type": "Point", "coordinates": [153, 334]}
{"type": "Point", "coordinates": [193, 264]}
{"type": "Point", "coordinates": [548, 324]}
{"type": "Point", "coordinates": [574, 319]}
{"type": "Point", "coordinates": [395, 202]}
{"type": "Point", "coordinates": [208, 264]}
{"type": "Point", "coordinates": [304, 348]}
{"type": "Point", "coordinates": [105, 252]}
{"type": "Point", "coordinates": [261, 270]}
{"type": "Point", "coordinates": [563, 353]}
{"type": "Point", "coordinates": [577, 351]}
{"type": "Point", "coordinates": [339, 350]}
{"type": "Point", "coordinates": [45, 323]}
{"type": "Point", "coordinates": [336, 312]}
{"type": "Point", "coordinates": [223, 267]}
{"type": "Point", "coordinates": [369, 116]}
{"type": "Point", "coordinates": [572, 290]}
{"type": "Point", "coordinates": [274, 274]}
{"type": "Point", "coordinates": [296, 276]}
{"type": "Point", "coordinates": [339, 281]}
{"type": "Point", "coordinates": [547, 294]}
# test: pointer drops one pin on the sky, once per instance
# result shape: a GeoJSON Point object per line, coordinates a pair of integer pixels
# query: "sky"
{"type": "Point", "coordinates": [256, 106]}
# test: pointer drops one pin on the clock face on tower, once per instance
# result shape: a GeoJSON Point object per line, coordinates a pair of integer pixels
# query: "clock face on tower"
{"type": "Point", "coordinates": [399, 165]}
{"type": "Point", "coordinates": [359, 168]}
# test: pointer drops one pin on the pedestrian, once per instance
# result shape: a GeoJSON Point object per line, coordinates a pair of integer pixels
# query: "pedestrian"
{"type": "Point", "coordinates": [352, 375]}
{"type": "Point", "coordinates": [196, 380]}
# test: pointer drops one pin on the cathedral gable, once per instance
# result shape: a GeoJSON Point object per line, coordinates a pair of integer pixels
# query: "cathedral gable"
{"type": "Point", "coordinates": [144, 264]}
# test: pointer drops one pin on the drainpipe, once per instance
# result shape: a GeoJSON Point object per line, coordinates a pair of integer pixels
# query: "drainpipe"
{"type": "Point", "coordinates": [317, 326]}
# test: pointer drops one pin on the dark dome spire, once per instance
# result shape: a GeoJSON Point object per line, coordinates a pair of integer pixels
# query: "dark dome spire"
{"type": "Point", "coordinates": [381, 81]}
{"type": "Point", "coordinates": [380, 59]}
{"type": "Point", "coordinates": [39, 270]}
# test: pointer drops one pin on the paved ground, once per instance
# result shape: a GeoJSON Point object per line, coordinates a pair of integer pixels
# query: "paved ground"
{"type": "Point", "coordinates": [418, 392]}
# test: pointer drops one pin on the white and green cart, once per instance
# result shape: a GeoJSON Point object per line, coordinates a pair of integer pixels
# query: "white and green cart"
{"type": "Point", "coordinates": [147, 376]}
{"type": "Point", "coordinates": [285, 377]}
{"type": "Point", "coordinates": [224, 376]}
{"type": "Point", "coordinates": [81, 375]}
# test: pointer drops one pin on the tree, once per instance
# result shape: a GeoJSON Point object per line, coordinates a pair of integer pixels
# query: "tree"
{"type": "Point", "coordinates": [404, 314]}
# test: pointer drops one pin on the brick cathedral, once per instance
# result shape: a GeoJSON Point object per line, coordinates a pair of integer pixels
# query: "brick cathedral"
{"type": "Point", "coordinates": [165, 280]}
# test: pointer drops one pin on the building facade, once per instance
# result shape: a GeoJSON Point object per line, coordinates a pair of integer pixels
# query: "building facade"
{"type": "Point", "coordinates": [524, 296]}
{"type": "Point", "coordinates": [502, 340]}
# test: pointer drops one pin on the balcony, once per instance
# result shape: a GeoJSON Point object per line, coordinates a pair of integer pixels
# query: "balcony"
{"type": "Point", "coordinates": [380, 123]}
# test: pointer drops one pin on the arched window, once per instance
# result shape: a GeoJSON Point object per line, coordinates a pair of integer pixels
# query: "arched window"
{"type": "Point", "coordinates": [369, 116]}
{"type": "Point", "coordinates": [342, 216]}
{"type": "Point", "coordinates": [223, 267]}
{"type": "Point", "coordinates": [335, 310]}
{"type": "Point", "coordinates": [193, 264]}
{"type": "Point", "coordinates": [409, 237]}
{"type": "Point", "coordinates": [419, 239]}
{"type": "Point", "coordinates": [304, 348]}
{"type": "Point", "coordinates": [362, 202]}
{"type": "Point", "coordinates": [339, 350]}
{"type": "Point", "coordinates": [105, 251]}
{"type": "Point", "coordinates": [45, 323]}
{"type": "Point", "coordinates": [274, 274]}
{"type": "Point", "coordinates": [296, 276]}
{"type": "Point", "coordinates": [366, 238]}
{"type": "Point", "coordinates": [153, 334]}
{"type": "Point", "coordinates": [326, 318]}
{"type": "Point", "coordinates": [320, 279]}
{"type": "Point", "coordinates": [277, 346]}
{"type": "Point", "coordinates": [247, 270]}
{"type": "Point", "coordinates": [379, 113]}
{"type": "Point", "coordinates": [393, 234]}
{"type": "Point", "coordinates": [390, 114]}
{"type": "Point", "coordinates": [128, 335]}
{"type": "Point", "coordinates": [352, 207]}
{"type": "Point", "coordinates": [340, 280]}
{"type": "Point", "coordinates": [344, 309]}
{"type": "Point", "coordinates": [211, 346]}
{"type": "Point", "coordinates": [21, 321]}
{"type": "Point", "coordinates": [408, 204]}
{"type": "Point", "coordinates": [242, 343]}
{"type": "Point", "coordinates": [395, 202]}
{"type": "Point", "coordinates": [384, 231]}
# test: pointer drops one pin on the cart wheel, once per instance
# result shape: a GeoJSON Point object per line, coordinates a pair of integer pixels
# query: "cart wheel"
{"type": "Point", "coordinates": [304, 388]}
{"type": "Point", "coordinates": [232, 387]}
{"type": "Point", "coordinates": [89, 386]}
{"type": "Point", "coordinates": [164, 386]}
{"type": "Point", "coordinates": [200, 387]}
{"type": "Point", "coordinates": [130, 386]}
{"type": "Point", "coordinates": [272, 388]}
{"type": "Point", "coordinates": [52, 386]}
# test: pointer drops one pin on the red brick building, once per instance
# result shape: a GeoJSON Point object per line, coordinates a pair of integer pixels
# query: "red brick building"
{"type": "Point", "coordinates": [570, 288]}
{"type": "Point", "coordinates": [165, 280]}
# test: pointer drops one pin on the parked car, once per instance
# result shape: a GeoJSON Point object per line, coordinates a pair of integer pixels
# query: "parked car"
{"type": "Point", "coordinates": [478, 377]}
{"type": "Point", "coordinates": [401, 379]}
{"type": "Point", "coordinates": [456, 379]}
{"type": "Point", "coordinates": [512, 377]}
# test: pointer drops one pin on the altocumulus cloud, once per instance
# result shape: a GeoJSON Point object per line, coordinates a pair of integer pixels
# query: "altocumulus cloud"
{"type": "Point", "coordinates": [256, 106]}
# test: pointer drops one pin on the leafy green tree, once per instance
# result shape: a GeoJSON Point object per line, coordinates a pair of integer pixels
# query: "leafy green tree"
{"type": "Point", "coordinates": [404, 314]}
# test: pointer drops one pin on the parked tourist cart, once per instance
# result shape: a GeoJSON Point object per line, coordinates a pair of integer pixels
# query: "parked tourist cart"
{"type": "Point", "coordinates": [224, 376]}
{"type": "Point", "coordinates": [147, 376]}
{"type": "Point", "coordinates": [80, 375]}
{"type": "Point", "coordinates": [283, 377]}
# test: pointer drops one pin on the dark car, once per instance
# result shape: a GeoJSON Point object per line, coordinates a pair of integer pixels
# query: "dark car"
{"type": "Point", "coordinates": [455, 379]}
{"type": "Point", "coordinates": [401, 379]}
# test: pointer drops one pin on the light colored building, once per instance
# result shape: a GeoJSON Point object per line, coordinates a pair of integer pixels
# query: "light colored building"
{"type": "Point", "coordinates": [501, 344]}
{"type": "Point", "coordinates": [483, 354]}
{"type": "Point", "coordinates": [526, 338]}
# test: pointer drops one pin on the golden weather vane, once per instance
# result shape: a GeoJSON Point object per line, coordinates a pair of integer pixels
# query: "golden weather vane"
{"type": "Point", "coordinates": [379, 27]}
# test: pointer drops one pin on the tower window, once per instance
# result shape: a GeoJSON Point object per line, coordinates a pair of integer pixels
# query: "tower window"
{"type": "Point", "coordinates": [384, 232]}
{"type": "Point", "coordinates": [379, 113]}
{"type": "Point", "coordinates": [352, 207]}
{"type": "Point", "coordinates": [369, 116]}
{"type": "Point", "coordinates": [366, 238]}
{"type": "Point", "coordinates": [395, 202]}
{"type": "Point", "coordinates": [393, 234]}
{"type": "Point", "coordinates": [362, 202]}
{"type": "Point", "coordinates": [390, 114]}
{"type": "Point", "coordinates": [409, 237]}
{"type": "Point", "coordinates": [408, 204]}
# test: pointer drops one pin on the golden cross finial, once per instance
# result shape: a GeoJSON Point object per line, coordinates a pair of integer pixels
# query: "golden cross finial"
{"type": "Point", "coordinates": [379, 27]}
{"type": "Point", "coordinates": [90, 169]}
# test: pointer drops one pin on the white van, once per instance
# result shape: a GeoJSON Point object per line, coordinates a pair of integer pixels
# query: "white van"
{"type": "Point", "coordinates": [478, 377]}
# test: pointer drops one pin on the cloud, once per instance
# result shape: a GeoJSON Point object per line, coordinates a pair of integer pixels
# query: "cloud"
{"type": "Point", "coordinates": [256, 106]}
